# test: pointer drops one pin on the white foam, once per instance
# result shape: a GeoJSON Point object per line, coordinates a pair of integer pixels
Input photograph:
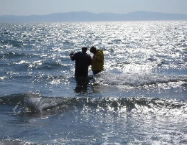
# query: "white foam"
{"type": "Point", "coordinates": [136, 79]}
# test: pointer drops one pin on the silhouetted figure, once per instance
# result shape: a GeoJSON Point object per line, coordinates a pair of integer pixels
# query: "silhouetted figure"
{"type": "Point", "coordinates": [82, 62]}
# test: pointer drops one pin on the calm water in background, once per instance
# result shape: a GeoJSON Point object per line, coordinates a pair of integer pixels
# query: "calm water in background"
{"type": "Point", "coordinates": [140, 98]}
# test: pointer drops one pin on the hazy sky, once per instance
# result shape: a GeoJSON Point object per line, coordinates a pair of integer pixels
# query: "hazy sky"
{"type": "Point", "coordinates": [40, 7]}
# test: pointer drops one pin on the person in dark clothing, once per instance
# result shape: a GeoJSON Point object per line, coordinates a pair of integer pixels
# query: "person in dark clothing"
{"type": "Point", "coordinates": [82, 62]}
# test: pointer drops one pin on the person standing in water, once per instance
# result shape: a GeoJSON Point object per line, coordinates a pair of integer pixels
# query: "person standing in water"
{"type": "Point", "coordinates": [98, 60]}
{"type": "Point", "coordinates": [82, 62]}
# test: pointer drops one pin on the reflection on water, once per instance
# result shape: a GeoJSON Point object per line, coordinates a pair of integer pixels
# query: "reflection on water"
{"type": "Point", "coordinates": [140, 98]}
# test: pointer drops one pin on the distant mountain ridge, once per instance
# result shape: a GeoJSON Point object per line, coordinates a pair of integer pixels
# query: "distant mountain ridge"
{"type": "Point", "coordinates": [88, 16]}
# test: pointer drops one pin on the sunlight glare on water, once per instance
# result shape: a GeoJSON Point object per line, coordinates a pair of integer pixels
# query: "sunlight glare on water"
{"type": "Point", "coordinates": [140, 97]}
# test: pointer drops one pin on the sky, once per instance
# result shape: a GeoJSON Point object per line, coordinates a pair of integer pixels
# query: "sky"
{"type": "Point", "coordinates": [44, 7]}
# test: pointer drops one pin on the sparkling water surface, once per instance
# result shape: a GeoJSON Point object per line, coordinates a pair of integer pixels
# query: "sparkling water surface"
{"type": "Point", "coordinates": [140, 98]}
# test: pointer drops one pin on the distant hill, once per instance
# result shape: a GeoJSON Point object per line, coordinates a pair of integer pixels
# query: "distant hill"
{"type": "Point", "coordinates": [87, 16]}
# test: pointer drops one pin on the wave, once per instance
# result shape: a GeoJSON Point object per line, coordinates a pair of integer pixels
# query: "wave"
{"type": "Point", "coordinates": [31, 103]}
{"type": "Point", "coordinates": [23, 62]}
{"type": "Point", "coordinates": [50, 65]}
{"type": "Point", "coordinates": [12, 99]}
{"type": "Point", "coordinates": [13, 55]}
{"type": "Point", "coordinates": [14, 43]}
{"type": "Point", "coordinates": [15, 142]}
{"type": "Point", "coordinates": [136, 80]}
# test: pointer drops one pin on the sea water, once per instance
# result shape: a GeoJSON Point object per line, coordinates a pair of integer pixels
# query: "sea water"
{"type": "Point", "coordinates": [140, 97]}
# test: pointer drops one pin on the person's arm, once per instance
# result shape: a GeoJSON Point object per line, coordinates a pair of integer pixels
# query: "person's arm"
{"type": "Point", "coordinates": [90, 60]}
{"type": "Point", "coordinates": [72, 56]}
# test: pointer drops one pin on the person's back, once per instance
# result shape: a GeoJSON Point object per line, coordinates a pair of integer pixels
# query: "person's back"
{"type": "Point", "coordinates": [82, 62]}
{"type": "Point", "coordinates": [98, 60]}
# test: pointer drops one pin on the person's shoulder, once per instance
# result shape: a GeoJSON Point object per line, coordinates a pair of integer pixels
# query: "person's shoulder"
{"type": "Point", "coordinates": [88, 55]}
{"type": "Point", "coordinates": [78, 53]}
{"type": "Point", "coordinates": [99, 51]}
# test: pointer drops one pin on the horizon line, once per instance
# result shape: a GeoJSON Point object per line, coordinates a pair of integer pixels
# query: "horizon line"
{"type": "Point", "coordinates": [94, 13]}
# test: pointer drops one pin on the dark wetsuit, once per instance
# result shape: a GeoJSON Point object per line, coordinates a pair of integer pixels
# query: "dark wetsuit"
{"type": "Point", "coordinates": [82, 62]}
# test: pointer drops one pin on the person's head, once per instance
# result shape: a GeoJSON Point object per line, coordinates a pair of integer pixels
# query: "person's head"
{"type": "Point", "coordinates": [93, 49]}
{"type": "Point", "coordinates": [84, 49]}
